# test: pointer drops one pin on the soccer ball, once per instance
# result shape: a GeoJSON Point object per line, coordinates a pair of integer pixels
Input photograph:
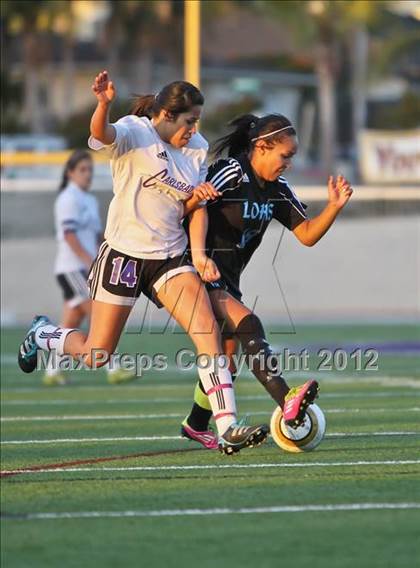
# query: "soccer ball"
{"type": "Point", "coordinates": [302, 439]}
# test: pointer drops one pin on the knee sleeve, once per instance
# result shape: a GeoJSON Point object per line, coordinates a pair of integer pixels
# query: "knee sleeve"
{"type": "Point", "coordinates": [256, 348]}
{"type": "Point", "coordinates": [260, 359]}
{"type": "Point", "coordinates": [251, 334]}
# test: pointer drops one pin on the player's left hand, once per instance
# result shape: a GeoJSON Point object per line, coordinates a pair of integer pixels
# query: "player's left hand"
{"type": "Point", "coordinates": [206, 268]}
{"type": "Point", "coordinates": [339, 191]}
{"type": "Point", "coordinates": [206, 192]}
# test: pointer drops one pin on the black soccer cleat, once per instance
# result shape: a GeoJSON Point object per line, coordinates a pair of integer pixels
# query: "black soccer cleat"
{"type": "Point", "coordinates": [27, 358]}
{"type": "Point", "coordinates": [238, 436]}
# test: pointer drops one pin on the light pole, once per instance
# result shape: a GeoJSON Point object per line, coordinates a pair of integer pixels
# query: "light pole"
{"type": "Point", "coordinates": [192, 42]}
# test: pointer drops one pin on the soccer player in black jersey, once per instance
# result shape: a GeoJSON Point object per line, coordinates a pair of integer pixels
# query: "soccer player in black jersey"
{"type": "Point", "coordinates": [247, 191]}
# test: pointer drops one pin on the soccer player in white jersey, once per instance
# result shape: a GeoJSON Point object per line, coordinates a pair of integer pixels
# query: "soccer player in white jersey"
{"type": "Point", "coordinates": [253, 193]}
{"type": "Point", "coordinates": [157, 159]}
{"type": "Point", "coordinates": [79, 233]}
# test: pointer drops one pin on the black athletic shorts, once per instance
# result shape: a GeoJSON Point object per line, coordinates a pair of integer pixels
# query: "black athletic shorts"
{"type": "Point", "coordinates": [117, 278]}
{"type": "Point", "coordinates": [229, 280]}
{"type": "Point", "coordinates": [74, 287]}
{"type": "Point", "coordinates": [222, 284]}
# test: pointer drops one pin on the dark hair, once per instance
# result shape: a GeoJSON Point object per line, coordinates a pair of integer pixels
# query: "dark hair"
{"type": "Point", "coordinates": [176, 97]}
{"type": "Point", "coordinates": [76, 157]}
{"type": "Point", "coordinates": [248, 127]}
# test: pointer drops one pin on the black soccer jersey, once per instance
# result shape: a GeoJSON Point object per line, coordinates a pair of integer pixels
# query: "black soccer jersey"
{"type": "Point", "coordinates": [239, 219]}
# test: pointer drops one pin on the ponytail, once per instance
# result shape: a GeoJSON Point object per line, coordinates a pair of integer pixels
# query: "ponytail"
{"type": "Point", "coordinates": [64, 180]}
{"type": "Point", "coordinates": [248, 129]}
{"type": "Point", "coordinates": [237, 141]}
{"type": "Point", "coordinates": [144, 105]}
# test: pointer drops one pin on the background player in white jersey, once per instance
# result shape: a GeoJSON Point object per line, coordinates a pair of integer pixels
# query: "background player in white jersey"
{"type": "Point", "coordinates": [157, 159]}
{"type": "Point", "coordinates": [252, 193]}
{"type": "Point", "coordinates": [78, 232]}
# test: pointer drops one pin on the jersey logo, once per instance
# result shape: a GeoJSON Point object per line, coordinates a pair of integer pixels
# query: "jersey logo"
{"type": "Point", "coordinates": [166, 179]}
{"type": "Point", "coordinates": [245, 178]}
{"type": "Point", "coordinates": [260, 211]}
{"type": "Point", "coordinates": [162, 155]}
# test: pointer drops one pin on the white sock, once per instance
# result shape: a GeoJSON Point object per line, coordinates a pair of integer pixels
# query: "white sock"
{"type": "Point", "coordinates": [217, 383]}
{"type": "Point", "coordinates": [50, 337]}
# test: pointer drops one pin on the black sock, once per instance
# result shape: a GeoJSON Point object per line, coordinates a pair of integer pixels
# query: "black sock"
{"type": "Point", "coordinates": [199, 418]}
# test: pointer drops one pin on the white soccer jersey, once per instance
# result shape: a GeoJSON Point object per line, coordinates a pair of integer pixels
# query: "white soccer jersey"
{"type": "Point", "coordinates": [151, 181]}
{"type": "Point", "coordinates": [75, 210]}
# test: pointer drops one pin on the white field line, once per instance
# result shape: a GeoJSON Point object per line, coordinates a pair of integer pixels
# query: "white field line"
{"type": "Point", "coordinates": [132, 386]}
{"type": "Point", "coordinates": [213, 466]}
{"type": "Point", "coordinates": [330, 379]}
{"type": "Point", "coordinates": [367, 409]}
{"type": "Point", "coordinates": [210, 512]}
{"type": "Point", "coordinates": [239, 398]}
{"type": "Point", "coordinates": [89, 417]}
{"type": "Point", "coordinates": [159, 438]}
{"type": "Point", "coordinates": [95, 440]}
{"type": "Point", "coordinates": [113, 401]}
{"type": "Point", "coordinates": [362, 434]}
{"type": "Point", "coordinates": [60, 418]}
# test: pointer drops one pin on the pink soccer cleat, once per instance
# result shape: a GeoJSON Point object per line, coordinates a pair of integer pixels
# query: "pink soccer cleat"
{"type": "Point", "coordinates": [297, 401]}
{"type": "Point", "coordinates": [206, 438]}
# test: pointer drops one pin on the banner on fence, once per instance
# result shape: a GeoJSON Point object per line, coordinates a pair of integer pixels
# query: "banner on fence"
{"type": "Point", "coordinates": [390, 156]}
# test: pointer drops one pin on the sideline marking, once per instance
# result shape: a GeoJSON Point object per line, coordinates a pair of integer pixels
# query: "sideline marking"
{"type": "Point", "coordinates": [173, 415]}
{"type": "Point", "coordinates": [155, 438]}
{"type": "Point", "coordinates": [169, 400]}
{"type": "Point", "coordinates": [208, 512]}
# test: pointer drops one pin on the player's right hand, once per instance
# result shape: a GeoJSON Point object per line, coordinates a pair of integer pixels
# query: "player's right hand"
{"type": "Point", "coordinates": [206, 192]}
{"type": "Point", "coordinates": [104, 88]}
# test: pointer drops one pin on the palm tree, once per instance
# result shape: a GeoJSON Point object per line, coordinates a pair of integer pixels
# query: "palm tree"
{"type": "Point", "coordinates": [33, 22]}
{"type": "Point", "coordinates": [136, 32]}
{"type": "Point", "coordinates": [63, 23]}
{"type": "Point", "coordinates": [22, 17]}
{"type": "Point", "coordinates": [323, 28]}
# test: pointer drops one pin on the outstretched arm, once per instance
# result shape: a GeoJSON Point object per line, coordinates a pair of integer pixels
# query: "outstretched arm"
{"type": "Point", "coordinates": [104, 90]}
{"type": "Point", "coordinates": [309, 232]}
{"type": "Point", "coordinates": [205, 266]}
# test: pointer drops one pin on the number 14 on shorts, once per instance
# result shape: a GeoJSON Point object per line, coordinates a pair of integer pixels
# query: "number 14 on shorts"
{"type": "Point", "coordinates": [126, 275]}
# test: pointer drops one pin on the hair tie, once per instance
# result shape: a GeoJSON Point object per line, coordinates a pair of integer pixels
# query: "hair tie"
{"type": "Point", "coordinates": [252, 124]}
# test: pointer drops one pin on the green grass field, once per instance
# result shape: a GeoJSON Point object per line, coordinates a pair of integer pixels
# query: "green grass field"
{"type": "Point", "coordinates": [134, 494]}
